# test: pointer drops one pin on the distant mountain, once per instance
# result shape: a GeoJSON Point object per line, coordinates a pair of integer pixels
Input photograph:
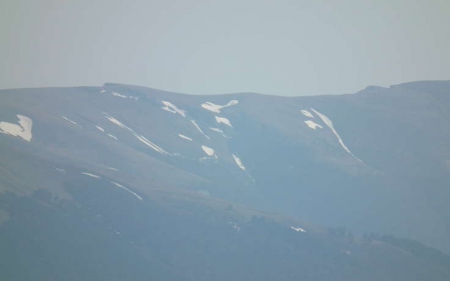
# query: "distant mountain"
{"type": "Point", "coordinates": [377, 161]}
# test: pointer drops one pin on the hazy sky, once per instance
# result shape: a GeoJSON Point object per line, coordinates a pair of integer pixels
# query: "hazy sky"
{"type": "Point", "coordinates": [208, 47]}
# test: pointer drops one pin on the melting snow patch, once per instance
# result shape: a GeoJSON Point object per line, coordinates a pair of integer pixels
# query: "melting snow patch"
{"type": "Point", "coordinates": [100, 128]}
{"type": "Point", "coordinates": [91, 175]}
{"type": "Point", "coordinates": [111, 136]}
{"type": "Point", "coordinates": [119, 95]}
{"type": "Point", "coordinates": [198, 128]}
{"type": "Point", "coordinates": [234, 225]}
{"type": "Point", "coordinates": [329, 123]}
{"type": "Point", "coordinates": [312, 124]}
{"type": "Point", "coordinates": [61, 170]}
{"type": "Point", "coordinates": [223, 120]}
{"type": "Point", "coordinates": [209, 151]}
{"type": "Point", "coordinates": [172, 108]}
{"type": "Point", "coordinates": [298, 229]}
{"type": "Point", "coordinates": [216, 108]}
{"type": "Point", "coordinates": [112, 169]}
{"type": "Point", "coordinates": [238, 162]}
{"type": "Point", "coordinates": [184, 137]}
{"type": "Point", "coordinates": [124, 188]}
{"type": "Point", "coordinates": [23, 129]}
{"type": "Point", "coordinates": [71, 121]}
{"type": "Point", "coordinates": [307, 113]}
{"type": "Point", "coordinates": [102, 91]}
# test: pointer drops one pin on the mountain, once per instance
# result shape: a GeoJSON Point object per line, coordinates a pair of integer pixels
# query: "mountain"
{"type": "Point", "coordinates": [377, 161]}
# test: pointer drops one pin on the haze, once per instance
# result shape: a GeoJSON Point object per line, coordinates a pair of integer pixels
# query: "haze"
{"type": "Point", "coordinates": [212, 47]}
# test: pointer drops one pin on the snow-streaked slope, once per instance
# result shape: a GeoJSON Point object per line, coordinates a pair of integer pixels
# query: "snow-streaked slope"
{"type": "Point", "coordinates": [22, 130]}
{"type": "Point", "coordinates": [138, 136]}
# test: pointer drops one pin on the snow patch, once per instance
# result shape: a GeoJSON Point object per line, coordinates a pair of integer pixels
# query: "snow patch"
{"type": "Point", "coordinates": [91, 175]}
{"type": "Point", "coordinates": [216, 108]}
{"type": "Point", "coordinates": [119, 95]}
{"type": "Point", "coordinates": [71, 121]}
{"type": "Point", "coordinates": [168, 106]}
{"type": "Point", "coordinates": [238, 162]}
{"type": "Point", "coordinates": [329, 123]}
{"type": "Point", "coordinates": [184, 137]}
{"type": "Point", "coordinates": [102, 91]}
{"type": "Point", "coordinates": [112, 169]}
{"type": "Point", "coordinates": [198, 128]}
{"type": "Point", "coordinates": [61, 170]}
{"type": "Point", "coordinates": [100, 128]}
{"type": "Point", "coordinates": [223, 120]}
{"type": "Point", "coordinates": [312, 124]}
{"type": "Point", "coordinates": [220, 131]}
{"type": "Point", "coordinates": [307, 113]}
{"type": "Point", "coordinates": [298, 229]}
{"type": "Point", "coordinates": [22, 130]}
{"type": "Point", "coordinates": [126, 189]}
{"type": "Point", "coordinates": [209, 151]}
{"type": "Point", "coordinates": [111, 136]}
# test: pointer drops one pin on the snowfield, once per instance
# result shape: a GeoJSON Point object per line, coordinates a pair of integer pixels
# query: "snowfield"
{"type": "Point", "coordinates": [22, 130]}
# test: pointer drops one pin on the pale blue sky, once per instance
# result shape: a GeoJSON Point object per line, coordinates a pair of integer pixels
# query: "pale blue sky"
{"type": "Point", "coordinates": [210, 47]}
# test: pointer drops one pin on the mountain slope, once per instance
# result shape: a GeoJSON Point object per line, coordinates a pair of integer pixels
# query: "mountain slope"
{"type": "Point", "coordinates": [375, 161]}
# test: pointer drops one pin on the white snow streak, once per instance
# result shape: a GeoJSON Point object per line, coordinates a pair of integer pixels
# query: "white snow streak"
{"type": "Point", "coordinates": [216, 108]}
{"type": "Point", "coordinates": [139, 137]}
{"type": "Point", "coordinates": [111, 136]}
{"type": "Point", "coordinates": [124, 188]}
{"type": "Point", "coordinates": [112, 169]}
{"type": "Point", "coordinates": [150, 144]}
{"type": "Point", "coordinates": [239, 162]}
{"type": "Point", "coordinates": [100, 128]}
{"type": "Point", "coordinates": [312, 124]}
{"type": "Point", "coordinates": [71, 121]}
{"type": "Point", "coordinates": [219, 131]}
{"type": "Point", "coordinates": [329, 123]}
{"type": "Point", "coordinates": [172, 108]}
{"type": "Point", "coordinates": [298, 229]}
{"type": "Point", "coordinates": [307, 113]}
{"type": "Point", "coordinates": [91, 175]}
{"type": "Point", "coordinates": [184, 137]}
{"type": "Point", "coordinates": [117, 122]}
{"type": "Point", "coordinates": [200, 130]}
{"type": "Point", "coordinates": [223, 120]}
{"type": "Point", "coordinates": [23, 129]}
